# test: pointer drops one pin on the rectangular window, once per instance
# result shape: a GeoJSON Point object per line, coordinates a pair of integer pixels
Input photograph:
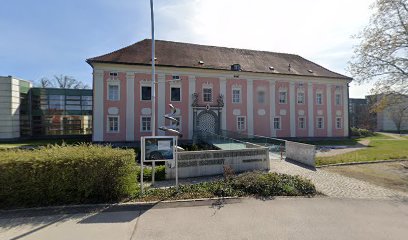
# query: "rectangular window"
{"type": "Point", "coordinates": [236, 96]}
{"type": "Point", "coordinates": [146, 93]}
{"type": "Point", "coordinates": [175, 94]}
{"type": "Point", "coordinates": [338, 99]}
{"type": "Point", "coordinates": [276, 123]}
{"type": "Point", "coordinates": [113, 75]}
{"type": "Point", "coordinates": [176, 77]}
{"type": "Point", "coordinates": [300, 97]}
{"type": "Point", "coordinates": [261, 97]}
{"type": "Point", "coordinates": [320, 123]}
{"type": "Point", "coordinates": [319, 98]}
{"type": "Point", "coordinates": [207, 94]}
{"type": "Point", "coordinates": [146, 124]}
{"type": "Point", "coordinates": [302, 123]}
{"type": "Point", "coordinates": [113, 124]}
{"type": "Point", "coordinates": [241, 123]}
{"type": "Point", "coordinates": [113, 92]}
{"type": "Point", "coordinates": [338, 123]}
{"type": "Point", "coordinates": [282, 97]}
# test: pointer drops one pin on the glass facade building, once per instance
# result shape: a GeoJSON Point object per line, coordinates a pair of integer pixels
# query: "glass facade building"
{"type": "Point", "coordinates": [55, 111]}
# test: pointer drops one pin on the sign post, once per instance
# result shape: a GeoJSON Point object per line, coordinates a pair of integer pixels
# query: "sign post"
{"type": "Point", "coordinates": [158, 148]}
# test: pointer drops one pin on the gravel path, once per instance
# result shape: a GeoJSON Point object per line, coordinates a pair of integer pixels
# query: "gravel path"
{"type": "Point", "coordinates": [335, 185]}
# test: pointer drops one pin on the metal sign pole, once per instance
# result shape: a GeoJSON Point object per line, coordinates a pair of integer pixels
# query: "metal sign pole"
{"type": "Point", "coordinates": [176, 159]}
{"type": "Point", "coordinates": [153, 88]}
{"type": "Point", "coordinates": [141, 165]}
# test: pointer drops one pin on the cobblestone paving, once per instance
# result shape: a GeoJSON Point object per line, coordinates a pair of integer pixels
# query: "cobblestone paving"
{"type": "Point", "coordinates": [336, 185]}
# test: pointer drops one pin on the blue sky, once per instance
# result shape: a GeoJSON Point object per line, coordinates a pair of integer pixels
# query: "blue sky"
{"type": "Point", "coordinates": [48, 37]}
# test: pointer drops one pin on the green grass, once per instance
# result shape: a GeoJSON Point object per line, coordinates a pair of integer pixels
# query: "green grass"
{"type": "Point", "coordinates": [41, 142]}
{"type": "Point", "coordinates": [381, 147]}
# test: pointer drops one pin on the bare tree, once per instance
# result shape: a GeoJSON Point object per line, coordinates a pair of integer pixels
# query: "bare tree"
{"type": "Point", "coordinates": [382, 54]}
{"type": "Point", "coordinates": [397, 110]}
{"type": "Point", "coordinates": [62, 81]}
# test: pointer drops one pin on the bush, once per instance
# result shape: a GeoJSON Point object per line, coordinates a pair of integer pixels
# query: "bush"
{"type": "Point", "coordinates": [160, 173]}
{"type": "Point", "coordinates": [272, 184]}
{"type": "Point", "coordinates": [257, 184]}
{"type": "Point", "coordinates": [360, 132]}
{"type": "Point", "coordinates": [66, 175]}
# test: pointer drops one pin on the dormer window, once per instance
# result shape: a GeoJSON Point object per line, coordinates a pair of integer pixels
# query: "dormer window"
{"type": "Point", "coordinates": [235, 67]}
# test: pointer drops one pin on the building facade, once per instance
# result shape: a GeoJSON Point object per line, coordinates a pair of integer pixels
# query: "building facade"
{"type": "Point", "coordinates": [13, 107]}
{"type": "Point", "coordinates": [27, 112]}
{"type": "Point", "coordinates": [215, 88]}
{"type": "Point", "coordinates": [55, 111]}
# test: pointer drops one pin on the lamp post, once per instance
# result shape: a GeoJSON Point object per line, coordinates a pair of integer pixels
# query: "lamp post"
{"type": "Point", "coordinates": [153, 88]}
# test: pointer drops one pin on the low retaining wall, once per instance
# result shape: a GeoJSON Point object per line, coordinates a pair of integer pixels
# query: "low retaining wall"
{"type": "Point", "coordinates": [212, 162]}
{"type": "Point", "coordinates": [301, 152]}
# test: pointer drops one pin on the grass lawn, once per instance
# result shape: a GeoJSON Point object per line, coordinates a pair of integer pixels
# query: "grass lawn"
{"type": "Point", "coordinates": [39, 142]}
{"type": "Point", "coordinates": [381, 147]}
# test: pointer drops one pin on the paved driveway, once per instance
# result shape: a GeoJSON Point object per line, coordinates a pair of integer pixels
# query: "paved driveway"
{"type": "Point", "coordinates": [336, 185]}
{"type": "Point", "coordinates": [282, 218]}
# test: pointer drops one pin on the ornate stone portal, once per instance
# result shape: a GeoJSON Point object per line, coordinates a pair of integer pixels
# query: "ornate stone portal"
{"type": "Point", "coordinates": [206, 117]}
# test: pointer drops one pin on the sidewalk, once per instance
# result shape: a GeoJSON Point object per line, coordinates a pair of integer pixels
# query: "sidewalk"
{"type": "Point", "coordinates": [281, 218]}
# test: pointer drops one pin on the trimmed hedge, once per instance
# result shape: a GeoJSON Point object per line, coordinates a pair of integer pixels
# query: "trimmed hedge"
{"type": "Point", "coordinates": [66, 175]}
{"type": "Point", "coordinates": [160, 173]}
{"type": "Point", "coordinates": [361, 132]}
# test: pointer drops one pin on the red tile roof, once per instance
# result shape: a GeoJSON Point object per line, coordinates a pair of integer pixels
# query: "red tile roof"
{"type": "Point", "coordinates": [177, 54]}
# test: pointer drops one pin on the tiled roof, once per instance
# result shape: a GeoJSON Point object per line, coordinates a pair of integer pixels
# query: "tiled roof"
{"type": "Point", "coordinates": [177, 54]}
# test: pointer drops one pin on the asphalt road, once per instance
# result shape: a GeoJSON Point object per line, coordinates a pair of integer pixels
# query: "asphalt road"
{"type": "Point", "coordinates": [281, 218]}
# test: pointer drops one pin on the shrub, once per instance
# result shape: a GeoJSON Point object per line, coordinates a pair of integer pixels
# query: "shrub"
{"type": "Point", "coordinates": [272, 184]}
{"type": "Point", "coordinates": [252, 183]}
{"type": "Point", "coordinates": [360, 132]}
{"type": "Point", "coordinates": [66, 175]}
{"type": "Point", "coordinates": [160, 173]}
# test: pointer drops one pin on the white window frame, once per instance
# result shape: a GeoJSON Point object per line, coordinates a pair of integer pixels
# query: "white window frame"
{"type": "Point", "coordinates": [234, 99]}
{"type": "Point", "coordinates": [108, 93]}
{"type": "Point", "coordinates": [258, 97]}
{"type": "Point", "coordinates": [321, 98]}
{"type": "Point", "coordinates": [181, 94]}
{"type": "Point", "coordinates": [238, 123]}
{"type": "Point", "coordinates": [114, 76]}
{"type": "Point", "coordinates": [297, 97]}
{"type": "Point", "coordinates": [317, 122]}
{"type": "Point", "coordinates": [108, 130]}
{"type": "Point", "coordinates": [341, 122]}
{"type": "Point", "coordinates": [280, 123]}
{"type": "Point", "coordinates": [304, 122]}
{"type": "Point", "coordinates": [205, 88]}
{"type": "Point", "coordinates": [335, 99]}
{"type": "Point", "coordinates": [286, 97]}
{"type": "Point", "coordinates": [141, 123]}
{"type": "Point", "coordinates": [141, 92]}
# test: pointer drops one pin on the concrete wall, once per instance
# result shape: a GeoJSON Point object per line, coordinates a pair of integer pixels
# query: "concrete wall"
{"type": "Point", "coordinates": [212, 162]}
{"type": "Point", "coordinates": [300, 152]}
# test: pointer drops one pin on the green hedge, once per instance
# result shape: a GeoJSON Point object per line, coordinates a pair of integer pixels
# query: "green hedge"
{"type": "Point", "coordinates": [160, 173]}
{"type": "Point", "coordinates": [360, 132]}
{"type": "Point", "coordinates": [66, 175]}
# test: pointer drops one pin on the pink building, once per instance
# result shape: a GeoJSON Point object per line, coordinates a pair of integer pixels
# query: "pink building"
{"type": "Point", "coordinates": [214, 88]}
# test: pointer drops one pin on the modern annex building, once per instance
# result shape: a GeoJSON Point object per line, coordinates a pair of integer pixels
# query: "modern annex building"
{"type": "Point", "coordinates": [27, 112]}
{"type": "Point", "coordinates": [216, 88]}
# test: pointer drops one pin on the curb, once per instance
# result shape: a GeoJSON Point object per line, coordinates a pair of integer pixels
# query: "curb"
{"type": "Point", "coordinates": [112, 207]}
{"type": "Point", "coordinates": [357, 163]}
